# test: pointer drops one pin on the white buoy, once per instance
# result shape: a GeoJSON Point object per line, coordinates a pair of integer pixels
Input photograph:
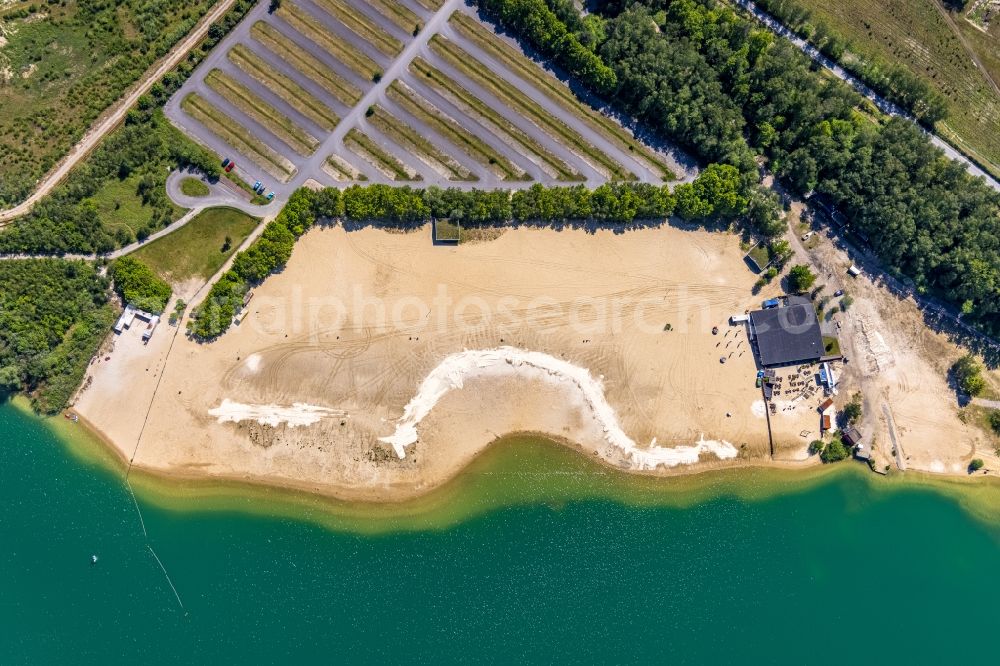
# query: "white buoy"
{"type": "Point", "coordinates": [93, 559]}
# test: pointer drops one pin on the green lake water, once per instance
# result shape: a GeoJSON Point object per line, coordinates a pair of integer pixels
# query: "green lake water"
{"type": "Point", "coordinates": [534, 555]}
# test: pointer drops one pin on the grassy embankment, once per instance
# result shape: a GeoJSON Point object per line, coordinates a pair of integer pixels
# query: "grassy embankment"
{"type": "Point", "coordinates": [296, 96]}
{"type": "Point", "coordinates": [63, 64]}
{"type": "Point", "coordinates": [470, 103]}
{"type": "Point", "coordinates": [266, 115]}
{"type": "Point", "coordinates": [915, 34]}
{"type": "Point", "coordinates": [341, 170]}
{"type": "Point", "coordinates": [193, 187]}
{"type": "Point", "coordinates": [199, 248]}
{"type": "Point", "coordinates": [306, 64]}
{"type": "Point", "coordinates": [236, 136]}
{"type": "Point", "coordinates": [509, 95]}
{"type": "Point", "coordinates": [119, 205]}
{"type": "Point", "coordinates": [362, 145]}
{"type": "Point", "coordinates": [558, 92]}
{"type": "Point", "coordinates": [451, 130]}
{"type": "Point", "coordinates": [316, 32]}
{"type": "Point", "coordinates": [433, 5]}
{"type": "Point", "coordinates": [360, 24]}
{"type": "Point", "coordinates": [411, 140]}
{"type": "Point", "coordinates": [398, 13]}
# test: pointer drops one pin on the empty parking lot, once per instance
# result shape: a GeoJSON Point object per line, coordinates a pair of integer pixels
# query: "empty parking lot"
{"type": "Point", "coordinates": [397, 91]}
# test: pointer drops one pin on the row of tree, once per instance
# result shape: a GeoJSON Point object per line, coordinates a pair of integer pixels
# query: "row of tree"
{"type": "Point", "coordinates": [716, 194]}
{"type": "Point", "coordinates": [730, 92]}
{"type": "Point", "coordinates": [269, 253]}
{"type": "Point", "coordinates": [53, 315]}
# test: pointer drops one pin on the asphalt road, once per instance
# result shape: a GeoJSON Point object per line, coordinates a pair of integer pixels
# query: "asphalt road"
{"type": "Point", "coordinates": [883, 104]}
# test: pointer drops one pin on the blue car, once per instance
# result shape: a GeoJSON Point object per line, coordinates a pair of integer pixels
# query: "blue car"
{"type": "Point", "coordinates": [270, 196]}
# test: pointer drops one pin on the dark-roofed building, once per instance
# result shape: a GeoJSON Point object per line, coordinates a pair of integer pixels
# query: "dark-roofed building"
{"type": "Point", "coordinates": [788, 335]}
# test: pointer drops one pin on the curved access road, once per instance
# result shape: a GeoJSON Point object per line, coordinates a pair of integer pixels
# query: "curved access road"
{"type": "Point", "coordinates": [221, 194]}
{"type": "Point", "coordinates": [112, 117]}
{"type": "Point", "coordinates": [883, 104]}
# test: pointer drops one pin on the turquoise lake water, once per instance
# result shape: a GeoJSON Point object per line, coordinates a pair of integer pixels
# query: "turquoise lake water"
{"type": "Point", "coordinates": [556, 560]}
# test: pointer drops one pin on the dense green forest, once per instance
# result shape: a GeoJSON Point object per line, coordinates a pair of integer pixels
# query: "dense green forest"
{"type": "Point", "coordinates": [717, 195]}
{"type": "Point", "coordinates": [138, 285]}
{"type": "Point", "coordinates": [729, 91]}
{"type": "Point", "coordinates": [53, 315]}
{"type": "Point", "coordinates": [68, 221]}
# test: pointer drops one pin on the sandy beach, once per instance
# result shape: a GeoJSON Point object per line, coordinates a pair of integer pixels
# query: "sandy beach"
{"type": "Point", "coordinates": [377, 365]}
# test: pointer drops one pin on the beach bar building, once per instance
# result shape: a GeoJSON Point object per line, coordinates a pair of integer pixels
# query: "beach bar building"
{"type": "Point", "coordinates": [787, 335]}
{"type": "Point", "coordinates": [132, 313]}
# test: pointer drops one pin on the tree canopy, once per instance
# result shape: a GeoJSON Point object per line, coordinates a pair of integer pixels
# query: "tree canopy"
{"type": "Point", "coordinates": [53, 314]}
{"type": "Point", "coordinates": [731, 92]}
{"type": "Point", "coordinates": [138, 285]}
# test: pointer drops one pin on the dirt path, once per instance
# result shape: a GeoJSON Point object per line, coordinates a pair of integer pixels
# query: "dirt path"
{"type": "Point", "coordinates": [110, 119]}
{"type": "Point", "coordinates": [965, 44]}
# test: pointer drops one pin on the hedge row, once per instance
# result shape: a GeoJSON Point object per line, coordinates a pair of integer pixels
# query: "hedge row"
{"type": "Point", "coordinates": [716, 193]}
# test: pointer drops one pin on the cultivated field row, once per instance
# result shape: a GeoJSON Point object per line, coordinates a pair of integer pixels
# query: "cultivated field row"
{"type": "Point", "coordinates": [329, 90]}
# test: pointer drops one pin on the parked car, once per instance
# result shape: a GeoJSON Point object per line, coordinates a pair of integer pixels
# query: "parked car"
{"type": "Point", "coordinates": [806, 236]}
{"type": "Point", "coordinates": [226, 162]}
{"type": "Point", "coordinates": [230, 167]}
{"type": "Point", "coordinates": [839, 292]}
{"type": "Point", "coordinates": [256, 185]}
{"type": "Point", "coordinates": [270, 196]}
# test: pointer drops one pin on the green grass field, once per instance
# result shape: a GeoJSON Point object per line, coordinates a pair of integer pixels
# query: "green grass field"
{"type": "Point", "coordinates": [196, 249]}
{"type": "Point", "coordinates": [296, 96]}
{"type": "Point", "coordinates": [558, 92]}
{"type": "Point", "coordinates": [119, 204]}
{"type": "Point", "coordinates": [194, 187]}
{"type": "Point", "coordinates": [359, 23]}
{"type": "Point", "coordinates": [64, 63]}
{"type": "Point", "coordinates": [307, 65]}
{"type": "Point", "coordinates": [761, 256]}
{"type": "Point", "coordinates": [472, 104]}
{"type": "Point", "coordinates": [917, 35]}
{"type": "Point", "coordinates": [316, 32]}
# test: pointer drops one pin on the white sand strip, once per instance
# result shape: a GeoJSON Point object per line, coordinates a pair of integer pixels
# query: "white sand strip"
{"type": "Point", "coordinates": [299, 414]}
{"type": "Point", "coordinates": [454, 369]}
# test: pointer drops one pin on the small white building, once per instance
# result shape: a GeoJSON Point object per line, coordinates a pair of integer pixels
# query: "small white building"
{"type": "Point", "coordinates": [132, 313]}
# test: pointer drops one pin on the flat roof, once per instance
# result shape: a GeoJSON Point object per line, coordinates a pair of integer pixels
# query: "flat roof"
{"type": "Point", "coordinates": [787, 335]}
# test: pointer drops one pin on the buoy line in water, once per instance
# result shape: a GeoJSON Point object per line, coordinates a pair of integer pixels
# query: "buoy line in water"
{"type": "Point", "coordinates": [128, 470]}
{"type": "Point", "coordinates": [166, 575]}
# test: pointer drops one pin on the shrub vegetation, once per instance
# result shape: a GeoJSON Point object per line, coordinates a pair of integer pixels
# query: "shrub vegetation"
{"type": "Point", "coordinates": [53, 315]}
{"type": "Point", "coordinates": [138, 285]}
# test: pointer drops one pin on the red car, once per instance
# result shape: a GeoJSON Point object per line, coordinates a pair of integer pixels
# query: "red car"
{"type": "Point", "coordinates": [230, 166]}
